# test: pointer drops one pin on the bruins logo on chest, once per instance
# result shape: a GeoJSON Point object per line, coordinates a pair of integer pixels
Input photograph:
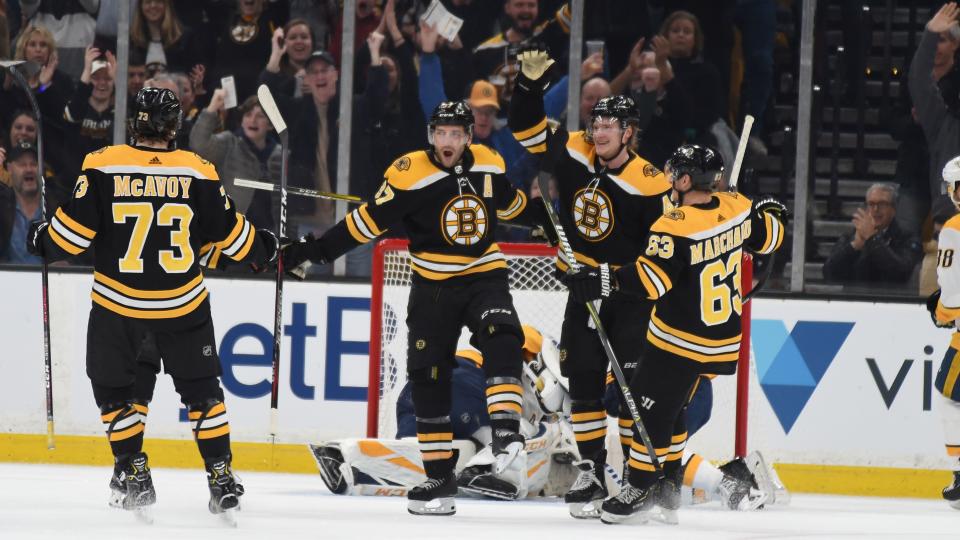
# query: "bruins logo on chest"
{"type": "Point", "coordinates": [593, 214]}
{"type": "Point", "coordinates": [464, 220]}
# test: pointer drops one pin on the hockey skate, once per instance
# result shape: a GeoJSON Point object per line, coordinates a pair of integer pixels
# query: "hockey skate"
{"type": "Point", "coordinates": [225, 490]}
{"type": "Point", "coordinates": [330, 461]}
{"type": "Point", "coordinates": [478, 480]}
{"type": "Point", "coordinates": [739, 494]}
{"type": "Point", "coordinates": [131, 486]}
{"type": "Point", "coordinates": [952, 492]}
{"type": "Point", "coordinates": [765, 478]}
{"type": "Point", "coordinates": [632, 505]}
{"type": "Point", "coordinates": [506, 446]}
{"type": "Point", "coordinates": [435, 497]}
{"type": "Point", "coordinates": [589, 490]}
{"type": "Point", "coordinates": [668, 500]}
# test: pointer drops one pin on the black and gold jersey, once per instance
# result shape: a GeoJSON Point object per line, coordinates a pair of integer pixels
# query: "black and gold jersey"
{"type": "Point", "coordinates": [449, 215]}
{"type": "Point", "coordinates": [606, 213]}
{"type": "Point", "coordinates": [691, 266]}
{"type": "Point", "coordinates": [153, 216]}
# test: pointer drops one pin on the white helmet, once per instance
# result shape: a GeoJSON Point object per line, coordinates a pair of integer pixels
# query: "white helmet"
{"type": "Point", "coordinates": [951, 175]}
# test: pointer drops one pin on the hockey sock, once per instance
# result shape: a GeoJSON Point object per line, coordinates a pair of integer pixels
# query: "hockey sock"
{"type": "Point", "coordinates": [208, 421]}
{"type": "Point", "coordinates": [626, 434]}
{"type": "Point", "coordinates": [701, 474]}
{"type": "Point", "coordinates": [642, 472]}
{"type": "Point", "coordinates": [124, 424]}
{"type": "Point", "coordinates": [671, 463]}
{"type": "Point", "coordinates": [589, 426]}
{"type": "Point", "coordinates": [504, 403]}
{"type": "Point", "coordinates": [435, 436]}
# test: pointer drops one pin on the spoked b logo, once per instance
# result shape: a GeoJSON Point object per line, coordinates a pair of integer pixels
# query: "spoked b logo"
{"type": "Point", "coordinates": [593, 214]}
{"type": "Point", "coordinates": [464, 220]}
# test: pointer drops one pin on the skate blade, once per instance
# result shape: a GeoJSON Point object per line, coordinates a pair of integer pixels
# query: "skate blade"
{"type": "Point", "coordinates": [499, 495]}
{"type": "Point", "coordinates": [954, 504]}
{"type": "Point", "coordinates": [754, 501]}
{"type": "Point", "coordinates": [587, 510]}
{"type": "Point", "coordinates": [229, 517]}
{"type": "Point", "coordinates": [638, 518]}
{"type": "Point", "coordinates": [116, 499]}
{"type": "Point", "coordinates": [505, 459]}
{"type": "Point", "coordinates": [144, 514]}
{"type": "Point", "coordinates": [767, 479]}
{"type": "Point", "coordinates": [663, 515]}
{"type": "Point", "coordinates": [441, 506]}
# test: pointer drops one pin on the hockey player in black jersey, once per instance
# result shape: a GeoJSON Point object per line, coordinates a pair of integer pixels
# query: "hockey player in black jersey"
{"type": "Point", "coordinates": [609, 196]}
{"type": "Point", "coordinates": [690, 267]}
{"type": "Point", "coordinates": [449, 199]}
{"type": "Point", "coordinates": [154, 215]}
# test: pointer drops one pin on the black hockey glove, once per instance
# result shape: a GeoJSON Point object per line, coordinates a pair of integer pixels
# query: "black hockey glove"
{"type": "Point", "coordinates": [768, 205]}
{"type": "Point", "coordinates": [932, 302]}
{"type": "Point", "coordinates": [35, 234]}
{"type": "Point", "coordinates": [298, 255]}
{"type": "Point", "coordinates": [271, 247]}
{"type": "Point", "coordinates": [589, 284]}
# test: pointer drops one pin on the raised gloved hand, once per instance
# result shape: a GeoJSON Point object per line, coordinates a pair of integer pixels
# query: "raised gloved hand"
{"type": "Point", "coordinates": [35, 234]}
{"type": "Point", "coordinates": [769, 205]}
{"type": "Point", "coordinates": [932, 302]}
{"type": "Point", "coordinates": [589, 284]}
{"type": "Point", "coordinates": [299, 255]}
{"type": "Point", "coordinates": [534, 63]}
{"type": "Point", "coordinates": [272, 246]}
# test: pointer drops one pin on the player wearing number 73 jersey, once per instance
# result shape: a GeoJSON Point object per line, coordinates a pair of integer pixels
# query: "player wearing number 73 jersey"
{"type": "Point", "coordinates": [154, 215]}
{"type": "Point", "coordinates": [691, 268]}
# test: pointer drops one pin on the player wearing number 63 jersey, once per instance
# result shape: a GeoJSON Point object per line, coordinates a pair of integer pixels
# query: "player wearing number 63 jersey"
{"type": "Point", "coordinates": [691, 268]}
{"type": "Point", "coordinates": [154, 215]}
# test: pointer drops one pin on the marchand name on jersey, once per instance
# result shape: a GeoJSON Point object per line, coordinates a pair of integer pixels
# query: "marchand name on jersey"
{"type": "Point", "coordinates": [152, 186]}
{"type": "Point", "coordinates": [716, 246]}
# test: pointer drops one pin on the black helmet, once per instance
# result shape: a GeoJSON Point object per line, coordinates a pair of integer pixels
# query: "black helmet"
{"type": "Point", "coordinates": [621, 107]}
{"type": "Point", "coordinates": [702, 163]}
{"type": "Point", "coordinates": [155, 114]}
{"type": "Point", "coordinates": [452, 113]}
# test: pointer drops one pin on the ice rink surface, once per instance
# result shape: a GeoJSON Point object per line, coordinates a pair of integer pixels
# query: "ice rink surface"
{"type": "Point", "coordinates": [67, 502]}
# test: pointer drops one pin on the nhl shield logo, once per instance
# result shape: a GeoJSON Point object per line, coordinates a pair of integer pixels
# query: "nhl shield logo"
{"type": "Point", "coordinates": [208, 350]}
{"type": "Point", "coordinates": [593, 214]}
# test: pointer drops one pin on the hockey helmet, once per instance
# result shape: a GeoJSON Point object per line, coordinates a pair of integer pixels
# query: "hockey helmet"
{"type": "Point", "coordinates": [951, 175]}
{"type": "Point", "coordinates": [155, 114]}
{"type": "Point", "coordinates": [620, 107]}
{"type": "Point", "coordinates": [451, 113]}
{"type": "Point", "coordinates": [702, 163]}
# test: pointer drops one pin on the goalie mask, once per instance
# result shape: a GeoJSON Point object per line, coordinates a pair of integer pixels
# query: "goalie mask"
{"type": "Point", "coordinates": [951, 175]}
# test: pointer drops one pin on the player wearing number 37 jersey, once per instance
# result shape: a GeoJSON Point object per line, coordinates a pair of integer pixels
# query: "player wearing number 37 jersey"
{"type": "Point", "coordinates": [691, 268]}
{"type": "Point", "coordinates": [154, 215]}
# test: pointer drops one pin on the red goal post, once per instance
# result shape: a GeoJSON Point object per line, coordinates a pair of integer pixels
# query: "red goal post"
{"type": "Point", "coordinates": [538, 297]}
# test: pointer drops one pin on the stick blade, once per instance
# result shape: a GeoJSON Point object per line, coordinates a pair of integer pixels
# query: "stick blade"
{"type": "Point", "coordinates": [271, 109]}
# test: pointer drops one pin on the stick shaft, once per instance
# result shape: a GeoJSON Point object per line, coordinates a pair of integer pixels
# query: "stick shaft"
{"type": "Point", "coordinates": [267, 186]}
{"type": "Point", "coordinates": [741, 151]}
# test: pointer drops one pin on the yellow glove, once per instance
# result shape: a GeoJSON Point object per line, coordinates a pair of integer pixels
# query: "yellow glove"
{"type": "Point", "coordinates": [534, 64]}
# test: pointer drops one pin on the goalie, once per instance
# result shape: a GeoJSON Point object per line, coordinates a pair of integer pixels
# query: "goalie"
{"type": "Point", "coordinates": [391, 467]}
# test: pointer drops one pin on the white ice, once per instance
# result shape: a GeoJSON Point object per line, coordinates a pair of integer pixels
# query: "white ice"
{"type": "Point", "coordinates": [67, 502]}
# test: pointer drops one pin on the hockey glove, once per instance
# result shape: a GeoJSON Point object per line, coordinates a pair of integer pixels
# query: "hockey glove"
{"type": "Point", "coordinates": [589, 284]}
{"type": "Point", "coordinates": [271, 247]}
{"type": "Point", "coordinates": [300, 254]}
{"type": "Point", "coordinates": [35, 234]}
{"type": "Point", "coordinates": [768, 205]}
{"type": "Point", "coordinates": [932, 301]}
{"type": "Point", "coordinates": [533, 65]}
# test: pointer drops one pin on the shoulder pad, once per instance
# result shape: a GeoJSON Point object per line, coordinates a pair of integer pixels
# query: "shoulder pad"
{"type": "Point", "coordinates": [125, 159]}
{"type": "Point", "coordinates": [640, 177]}
{"type": "Point", "coordinates": [735, 201]}
{"type": "Point", "coordinates": [953, 223]}
{"type": "Point", "coordinates": [412, 171]}
{"type": "Point", "coordinates": [486, 159]}
{"type": "Point", "coordinates": [581, 150]}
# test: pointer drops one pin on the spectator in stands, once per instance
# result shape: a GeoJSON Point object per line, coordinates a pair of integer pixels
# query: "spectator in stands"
{"type": "Point", "coordinates": [757, 21]}
{"type": "Point", "coordinates": [681, 40]}
{"type": "Point", "coordinates": [496, 58]}
{"type": "Point", "coordinates": [188, 104]}
{"type": "Point", "coordinates": [19, 204]}
{"type": "Point", "coordinates": [136, 74]}
{"type": "Point", "coordinates": [157, 33]}
{"type": "Point", "coordinates": [593, 89]}
{"type": "Point", "coordinates": [367, 20]}
{"type": "Point", "coordinates": [4, 32]}
{"type": "Point", "coordinates": [242, 153]}
{"type": "Point", "coordinates": [877, 250]}
{"type": "Point", "coordinates": [479, 16]}
{"type": "Point", "coordinates": [243, 43]}
{"type": "Point", "coordinates": [940, 124]}
{"type": "Point", "coordinates": [319, 15]}
{"type": "Point", "coordinates": [290, 49]}
{"type": "Point", "coordinates": [23, 128]}
{"type": "Point", "coordinates": [89, 113]}
{"type": "Point", "coordinates": [72, 25]}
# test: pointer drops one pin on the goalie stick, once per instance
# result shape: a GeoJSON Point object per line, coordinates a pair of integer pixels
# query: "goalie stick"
{"type": "Point", "coordinates": [11, 68]}
{"type": "Point", "coordinates": [272, 112]}
{"type": "Point", "coordinates": [622, 381]}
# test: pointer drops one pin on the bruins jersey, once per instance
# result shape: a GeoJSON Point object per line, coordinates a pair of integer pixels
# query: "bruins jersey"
{"type": "Point", "coordinates": [948, 276]}
{"type": "Point", "coordinates": [606, 213]}
{"type": "Point", "coordinates": [449, 215]}
{"type": "Point", "coordinates": [691, 266]}
{"type": "Point", "coordinates": [154, 216]}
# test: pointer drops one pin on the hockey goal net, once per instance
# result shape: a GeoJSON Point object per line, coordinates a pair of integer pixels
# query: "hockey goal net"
{"type": "Point", "coordinates": [537, 295]}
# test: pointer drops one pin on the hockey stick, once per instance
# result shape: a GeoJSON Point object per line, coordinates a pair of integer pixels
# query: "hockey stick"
{"type": "Point", "coordinates": [734, 179]}
{"type": "Point", "coordinates": [270, 108]}
{"type": "Point", "coordinates": [44, 271]}
{"type": "Point", "coordinates": [267, 186]}
{"type": "Point", "coordinates": [622, 381]}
